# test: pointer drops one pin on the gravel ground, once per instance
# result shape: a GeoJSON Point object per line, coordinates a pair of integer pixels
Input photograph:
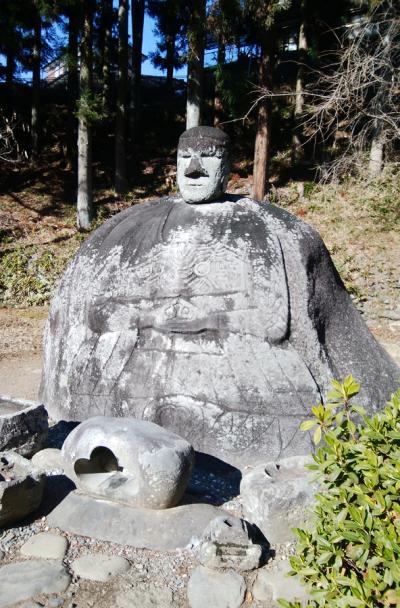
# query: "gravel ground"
{"type": "Point", "coordinates": [150, 570]}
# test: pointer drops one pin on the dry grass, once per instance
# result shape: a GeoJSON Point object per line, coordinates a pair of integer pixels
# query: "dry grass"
{"type": "Point", "coordinates": [359, 222]}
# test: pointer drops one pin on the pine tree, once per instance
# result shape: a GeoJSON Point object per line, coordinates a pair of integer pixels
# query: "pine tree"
{"type": "Point", "coordinates": [262, 19]}
{"type": "Point", "coordinates": [138, 9]}
{"type": "Point", "coordinates": [195, 61]}
{"type": "Point", "coordinates": [121, 112]}
{"type": "Point", "coordinates": [85, 195]}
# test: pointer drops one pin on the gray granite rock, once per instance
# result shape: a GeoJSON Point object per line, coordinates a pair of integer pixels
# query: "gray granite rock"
{"type": "Point", "coordinates": [23, 425]}
{"type": "Point", "coordinates": [147, 597]}
{"type": "Point", "coordinates": [47, 545]}
{"type": "Point", "coordinates": [24, 580]}
{"type": "Point", "coordinates": [223, 322]}
{"type": "Point", "coordinates": [55, 602]}
{"type": "Point", "coordinates": [49, 460]}
{"type": "Point", "coordinates": [219, 589]}
{"type": "Point", "coordinates": [278, 496]}
{"type": "Point", "coordinates": [2, 554]}
{"type": "Point", "coordinates": [273, 583]}
{"type": "Point", "coordinates": [202, 164]}
{"type": "Point", "coordinates": [229, 542]}
{"type": "Point", "coordinates": [99, 567]}
{"type": "Point", "coordinates": [21, 488]}
{"type": "Point", "coordinates": [130, 461]}
{"type": "Point", "coordinates": [162, 530]}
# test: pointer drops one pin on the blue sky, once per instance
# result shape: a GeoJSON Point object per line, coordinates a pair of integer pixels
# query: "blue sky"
{"type": "Point", "coordinates": [149, 45]}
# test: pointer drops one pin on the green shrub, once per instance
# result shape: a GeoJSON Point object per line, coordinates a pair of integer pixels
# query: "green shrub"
{"type": "Point", "coordinates": [28, 276]}
{"type": "Point", "coordinates": [352, 556]}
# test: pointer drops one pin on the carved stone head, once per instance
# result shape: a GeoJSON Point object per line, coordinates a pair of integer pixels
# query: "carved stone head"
{"type": "Point", "coordinates": [203, 164]}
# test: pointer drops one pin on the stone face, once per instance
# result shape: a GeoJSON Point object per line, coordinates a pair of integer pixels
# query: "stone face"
{"type": "Point", "coordinates": [223, 322]}
{"type": "Point", "coordinates": [273, 583]}
{"type": "Point", "coordinates": [133, 462]}
{"type": "Point", "coordinates": [21, 488]}
{"type": "Point", "coordinates": [278, 496]}
{"type": "Point", "coordinates": [163, 530]}
{"type": "Point", "coordinates": [46, 545]}
{"type": "Point", "coordinates": [98, 567]}
{"type": "Point", "coordinates": [229, 542]}
{"type": "Point", "coordinates": [24, 580]}
{"type": "Point", "coordinates": [23, 426]}
{"type": "Point", "coordinates": [202, 164]}
{"type": "Point", "coordinates": [214, 588]}
{"type": "Point", "coordinates": [49, 460]}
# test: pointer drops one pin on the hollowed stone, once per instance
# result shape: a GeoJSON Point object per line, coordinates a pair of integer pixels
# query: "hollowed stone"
{"type": "Point", "coordinates": [129, 461]}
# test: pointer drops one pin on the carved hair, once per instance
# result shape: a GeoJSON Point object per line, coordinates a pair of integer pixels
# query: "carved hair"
{"type": "Point", "coordinates": [202, 138]}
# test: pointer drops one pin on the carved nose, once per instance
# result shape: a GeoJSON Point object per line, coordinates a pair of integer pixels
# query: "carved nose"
{"type": "Point", "coordinates": [195, 168]}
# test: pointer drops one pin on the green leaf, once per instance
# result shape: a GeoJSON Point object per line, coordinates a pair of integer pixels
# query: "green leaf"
{"type": "Point", "coordinates": [358, 409]}
{"type": "Point", "coordinates": [306, 425]}
{"type": "Point", "coordinates": [317, 435]}
{"type": "Point", "coordinates": [324, 557]}
{"type": "Point", "coordinates": [352, 601]}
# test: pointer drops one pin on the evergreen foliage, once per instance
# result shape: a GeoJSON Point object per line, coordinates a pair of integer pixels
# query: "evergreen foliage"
{"type": "Point", "coordinates": [352, 555]}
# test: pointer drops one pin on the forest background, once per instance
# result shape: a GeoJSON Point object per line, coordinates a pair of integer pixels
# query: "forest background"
{"type": "Point", "coordinates": [308, 91]}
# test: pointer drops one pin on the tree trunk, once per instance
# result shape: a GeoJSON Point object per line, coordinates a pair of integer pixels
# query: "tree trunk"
{"type": "Point", "coordinates": [170, 59]}
{"type": "Point", "coordinates": [107, 18]}
{"type": "Point", "coordinates": [218, 105]}
{"type": "Point", "coordinates": [36, 57]}
{"type": "Point", "coordinates": [121, 114]}
{"type": "Point", "coordinates": [10, 70]}
{"type": "Point", "coordinates": [10, 66]}
{"type": "Point", "coordinates": [137, 36]}
{"type": "Point", "coordinates": [299, 103]}
{"type": "Point", "coordinates": [72, 85]}
{"type": "Point", "coordinates": [196, 36]}
{"type": "Point", "coordinates": [376, 156]}
{"type": "Point", "coordinates": [263, 134]}
{"type": "Point", "coordinates": [85, 195]}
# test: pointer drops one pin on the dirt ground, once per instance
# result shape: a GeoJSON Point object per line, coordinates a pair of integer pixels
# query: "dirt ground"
{"type": "Point", "coordinates": [21, 336]}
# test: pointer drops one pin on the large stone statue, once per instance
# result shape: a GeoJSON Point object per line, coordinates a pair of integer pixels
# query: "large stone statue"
{"type": "Point", "coordinates": [218, 317]}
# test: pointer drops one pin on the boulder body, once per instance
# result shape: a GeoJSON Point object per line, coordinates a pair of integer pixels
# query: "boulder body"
{"type": "Point", "coordinates": [223, 322]}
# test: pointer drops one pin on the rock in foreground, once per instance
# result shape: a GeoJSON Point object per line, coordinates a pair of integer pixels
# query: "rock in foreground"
{"type": "Point", "coordinates": [101, 568]}
{"type": "Point", "coordinates": [47, 545]}
{"type": "Point", "coordinates": [230, 542]}
{"type": "Point", "coordinates": [161, 530]}
{"type": "Point", "coordinates": [23, 426]}
{"type": "Point", "coordinates": [278, 496]}
{"type": "Point", "coordinates": [21, 488]}
{"type": "Point", "coordinates": [129, 461]}
{"type": "Point", "coordinates": [215, 588]}
{"type": "Point", "coordinates": [24, 580]}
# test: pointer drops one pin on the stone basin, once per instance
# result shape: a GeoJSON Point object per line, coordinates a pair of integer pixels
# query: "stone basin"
{"type": "Point", "coordinates": [133, 462]}
{"type": "Point", "coordinates": [23, 425]}
{"type": "Point", "coordinates": [278, 496]}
